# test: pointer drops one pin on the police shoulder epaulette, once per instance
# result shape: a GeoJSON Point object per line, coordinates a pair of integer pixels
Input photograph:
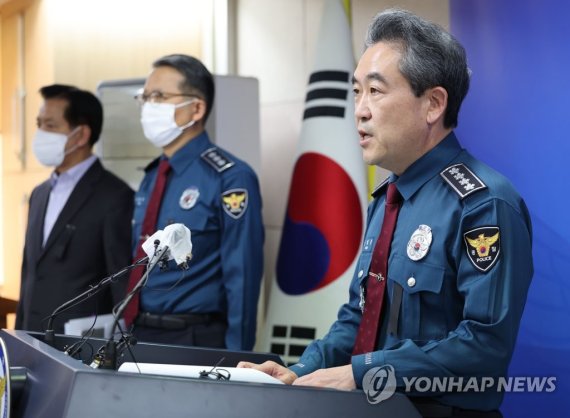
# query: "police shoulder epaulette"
{"type": "Point", "coordinates": [217, 159]}
{"type": "Point", "coordinates": [462, 180]}
{"type": "Point", "coordinates": [378, 189]}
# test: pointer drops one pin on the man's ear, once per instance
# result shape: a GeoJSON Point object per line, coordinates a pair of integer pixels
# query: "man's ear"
{"type": "Point", "coordinates": [437, 97]}
{"type": "Point", "coordinates": [83, 135]}
{"type": "Point", "coordinates": [199, 110]}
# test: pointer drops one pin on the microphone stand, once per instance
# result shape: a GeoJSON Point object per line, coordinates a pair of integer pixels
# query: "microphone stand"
{"type": "Point", "coordinates": [108, 359]}
{"type": "Point", "coordinates": [49, 334]}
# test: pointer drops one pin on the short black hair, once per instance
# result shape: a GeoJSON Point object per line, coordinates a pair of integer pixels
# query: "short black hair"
{"type": "Point", "coordinates": [197, 79]}
{"type": "Point", "coordinates": [431, 56]}
{"type": "Point", "coordinates": [83, 107]}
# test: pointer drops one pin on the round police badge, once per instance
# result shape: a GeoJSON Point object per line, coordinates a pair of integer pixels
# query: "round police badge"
{"type": "Point", "coordinates": [419, 243]}
{"type": "Point", "coordinates": [189, 198]}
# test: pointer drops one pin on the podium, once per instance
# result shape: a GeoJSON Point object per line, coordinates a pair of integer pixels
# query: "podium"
{"type": "Point", "coordinates": [60, 386]}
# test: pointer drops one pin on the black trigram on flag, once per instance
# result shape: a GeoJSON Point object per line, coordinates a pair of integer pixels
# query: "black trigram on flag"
{"type": "Point", "coordinates": [290, 342]}
{"type": "Point", "coordinates": [327, 95]}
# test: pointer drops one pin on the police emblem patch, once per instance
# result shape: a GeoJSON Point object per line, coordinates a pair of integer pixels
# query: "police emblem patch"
{"type": "Point", "coordinates": [419, 243]}
{"type": "Point", "coordinates": [235, 202]}
{"type": "Point", "coordinates": [189, 198]}
{"type": "Point", "coordinates": [483, 246]}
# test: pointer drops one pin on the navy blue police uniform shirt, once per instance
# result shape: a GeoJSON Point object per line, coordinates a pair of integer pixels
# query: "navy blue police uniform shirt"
{"type": "Point", "coordinates": [461, 256]}
{"type": "Point", "coordinates": [217, 197]}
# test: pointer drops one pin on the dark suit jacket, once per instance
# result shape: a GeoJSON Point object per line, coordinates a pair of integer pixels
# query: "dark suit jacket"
{"type": "Point", "coordinates": [90, 240]}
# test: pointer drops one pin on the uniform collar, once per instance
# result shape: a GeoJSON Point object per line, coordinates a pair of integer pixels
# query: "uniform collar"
{"type": "Point", "coordinates": [423, 169]}
{"type": "Point", "coordinates": [428, 166]}
{"type": "Point", "coordinates": [185, 155]}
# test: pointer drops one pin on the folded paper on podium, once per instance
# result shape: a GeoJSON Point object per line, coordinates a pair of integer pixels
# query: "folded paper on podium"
{"type": "Point", "coordinates": [199, 372]}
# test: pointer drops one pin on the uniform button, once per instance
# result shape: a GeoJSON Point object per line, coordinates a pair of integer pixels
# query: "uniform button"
{"type": "Point", "coordinates": [360, 273]}
{"type": "Point", "coordinates": [411, 282]}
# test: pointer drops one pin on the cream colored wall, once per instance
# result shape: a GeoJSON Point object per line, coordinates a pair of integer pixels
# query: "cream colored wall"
{"type": "Point", "coordinates": [1, 170]}
{"type": "Point", "coordinates": [17, 178]}
{"type": "Point", "coordinates": [120, 39]}
{"type": "Point", "coordinates": [275, 43]}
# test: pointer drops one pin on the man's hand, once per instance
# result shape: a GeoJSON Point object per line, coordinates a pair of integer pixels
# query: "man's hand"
{"type": "Point", "coordinates": [335, 377]}
{"type": "Point", "coordinates": [273, 369]}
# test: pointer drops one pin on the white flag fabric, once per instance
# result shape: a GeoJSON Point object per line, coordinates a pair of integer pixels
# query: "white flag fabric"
{"type": "Point", "coordinates": [324, 221]}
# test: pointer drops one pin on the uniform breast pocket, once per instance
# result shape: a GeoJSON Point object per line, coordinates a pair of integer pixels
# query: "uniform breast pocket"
{"type": "Point", "coordinates": [422, 312]}
{"type": "Point", "coordinates": [202, 229]}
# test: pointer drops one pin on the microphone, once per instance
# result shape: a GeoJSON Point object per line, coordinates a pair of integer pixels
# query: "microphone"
{"type": "Point", "coordinates": [178, 239]}
{"type": "Point", "coordinates": [93, 290]}
{"type": "Point", "coordinates": [172, 243]}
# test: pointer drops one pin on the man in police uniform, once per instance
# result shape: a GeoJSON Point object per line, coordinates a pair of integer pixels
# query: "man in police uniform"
{"type": "Point", "coordinates": [460, 261]}
{"type": "Point", "coordinates": [213, 193]}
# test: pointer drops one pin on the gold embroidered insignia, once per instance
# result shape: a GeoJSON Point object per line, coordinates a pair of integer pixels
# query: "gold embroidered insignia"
{"type": "Point", "coordinates": [235, 202]}
{"type": "Point", "coordinates": [483, 247]}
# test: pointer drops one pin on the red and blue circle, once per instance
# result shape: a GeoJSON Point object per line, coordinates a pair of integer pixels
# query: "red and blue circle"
{"type": "Point", "coordinates": [323, 226]}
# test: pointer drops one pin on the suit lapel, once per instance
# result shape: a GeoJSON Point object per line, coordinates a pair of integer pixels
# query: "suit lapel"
{"type": "Point", "coordinates": [79, 196]}
{"type": "Point", "coordinates": [37, 217]}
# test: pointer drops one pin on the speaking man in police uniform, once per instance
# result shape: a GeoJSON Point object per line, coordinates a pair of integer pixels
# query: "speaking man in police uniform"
{"type": "Point", "coordinates": [213, 193]}
{"type": "Point", "coordinates": [446, 261]}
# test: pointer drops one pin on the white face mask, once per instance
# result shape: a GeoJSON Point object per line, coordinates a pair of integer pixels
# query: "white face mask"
{"type": "Point", "coordinates": [159, 124]}
{"type": "Point", "coordinates": [49, 147]}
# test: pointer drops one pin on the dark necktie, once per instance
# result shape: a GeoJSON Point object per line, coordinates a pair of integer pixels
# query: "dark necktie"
{"type": "Point", "coordinates": [148, 228]}
{"type": "Point", "coordinates": [376, 283]}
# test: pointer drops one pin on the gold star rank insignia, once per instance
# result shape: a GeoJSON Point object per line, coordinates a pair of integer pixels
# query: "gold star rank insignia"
{"type": "Point", "coordinates": [483, 247]}
{"type": "Point", "coordinates": [235, 202]}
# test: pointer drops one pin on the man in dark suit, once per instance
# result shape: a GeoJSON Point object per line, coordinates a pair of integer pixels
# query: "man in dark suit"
{"type": "Point", "coordinates": [79, 220]}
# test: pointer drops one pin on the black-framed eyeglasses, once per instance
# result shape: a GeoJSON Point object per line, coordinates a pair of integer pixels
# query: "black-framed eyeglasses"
{"type": "Point", "coordinates": [159, 96]}
{"type": "Point", "coordinates": [215, 373]}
